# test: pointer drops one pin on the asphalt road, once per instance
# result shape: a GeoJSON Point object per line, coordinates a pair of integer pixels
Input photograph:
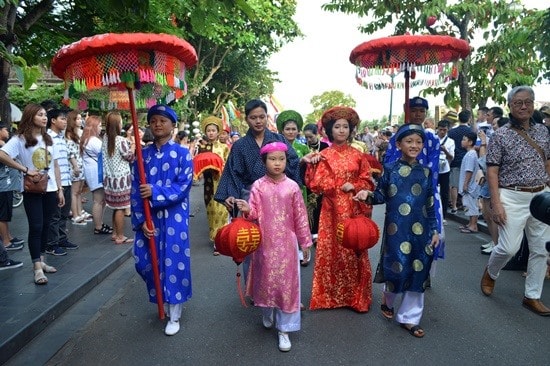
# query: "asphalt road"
{"type": "Point", "coordinates": [462, 326]}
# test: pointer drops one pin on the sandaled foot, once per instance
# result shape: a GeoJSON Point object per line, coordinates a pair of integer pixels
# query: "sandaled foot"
{"type": "Point", "coordinates": [414, 330]}
{"type": "Point", "coordinates": [124, 240]}
{"type": "Point", "coordinates": [386, 311]}
{"type": "Point", "coordinates": [48, 269]}
{"type": "Point", "coordinates": [105, 229]}
{"type": "Point", "coordinates": [39, 277]}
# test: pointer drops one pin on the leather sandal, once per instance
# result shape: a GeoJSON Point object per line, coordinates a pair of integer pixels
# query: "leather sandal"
{"type": "Point", "coordinates": [386, 311]}
{"type": "Point", "coordinates": [39, 277]}
{"type": "Point", "coordinates": [104, 230]}
{"type": "Point", "coordinates": [414, 330]}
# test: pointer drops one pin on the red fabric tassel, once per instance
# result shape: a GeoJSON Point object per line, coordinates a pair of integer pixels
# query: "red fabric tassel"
{"type": "Point", "coordinates": [240, 289]}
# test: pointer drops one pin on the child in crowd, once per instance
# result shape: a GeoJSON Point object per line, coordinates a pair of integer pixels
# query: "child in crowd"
{"type": "Point", "coordinates": [274, 279]}
{"type": "Point", "coordinates": [468, 187]}
{"type": "Point", "coordinates": [411, 229]}
{"type": "Point", "coordinates": [169, 176]}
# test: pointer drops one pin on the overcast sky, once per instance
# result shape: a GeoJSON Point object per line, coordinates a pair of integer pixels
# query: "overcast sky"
{"type": "Point", "coordinates": [320, 62]}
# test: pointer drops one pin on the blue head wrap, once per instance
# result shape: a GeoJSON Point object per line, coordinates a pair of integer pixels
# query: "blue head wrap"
{"type": "Point", "coordinates": [409, 129]}
{"type": "Point", "coordinates": [162, 110]}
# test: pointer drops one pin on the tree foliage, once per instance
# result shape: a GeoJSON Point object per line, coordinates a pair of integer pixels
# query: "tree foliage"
{"type": "Point", "coordinates": [508, 32]}
{"type": "Point", "coordinates": [233, 38]}
{"type": "Point", "coordinates": [328, 100]}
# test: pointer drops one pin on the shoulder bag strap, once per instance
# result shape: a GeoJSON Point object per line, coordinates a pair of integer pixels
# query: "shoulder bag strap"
{"type": "Point", "coordinates": [531, 142]}
{"type": "Point", "coordinates": [46, 155]}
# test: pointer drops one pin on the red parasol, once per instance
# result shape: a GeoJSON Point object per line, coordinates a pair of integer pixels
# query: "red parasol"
{"type": "Point", "coordinates": [112, 71]}
{"type": "Point", "coordinates": [405, 52]}
{"type": "Point", "coordinates": [206, 161]}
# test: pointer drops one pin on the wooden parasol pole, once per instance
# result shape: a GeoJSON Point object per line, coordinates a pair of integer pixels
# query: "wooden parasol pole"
{"type": "Point", "coordinates": [407, 109]}
{"type": "Point", "coordinates": [146, 208]}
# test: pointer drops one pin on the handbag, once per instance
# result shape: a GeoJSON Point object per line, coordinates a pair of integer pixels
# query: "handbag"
{"type": "Point", "coordinates": [37, 183]}
{"type": "Point", "coordinates": [480, 177]}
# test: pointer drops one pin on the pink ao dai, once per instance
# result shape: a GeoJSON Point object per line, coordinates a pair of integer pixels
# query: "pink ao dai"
{"type": "Point", "coordinates": [274, 275]}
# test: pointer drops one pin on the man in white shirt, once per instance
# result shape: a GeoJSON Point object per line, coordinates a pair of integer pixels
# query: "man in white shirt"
{"type": "Point", "coordinates": [446, 155]}
{"type": "Point", "coordinates": [58, 241]}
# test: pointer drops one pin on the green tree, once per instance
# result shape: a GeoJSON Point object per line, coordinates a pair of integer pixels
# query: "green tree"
{"type": "Point", "coordinates": [328, 100]}
{"type": "Point", "coordinates": [231, 37]}
{"type": "Point", "coordinates": [15, 21]}
{"type": "Point", "coordinates": [545, 42]}
{"type": "Point", "coordinates": [510, 35]}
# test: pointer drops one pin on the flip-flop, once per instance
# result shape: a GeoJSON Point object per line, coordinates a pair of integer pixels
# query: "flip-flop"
{"type": "Point", "coordinates": [414, 330]}
{"type": "Point", "coordinates": [467, 231]}
{"type": "Point", "coordinates": [125, 240]}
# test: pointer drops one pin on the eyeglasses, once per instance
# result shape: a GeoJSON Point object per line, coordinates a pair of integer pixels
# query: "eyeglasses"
{"type": "Point", "coordinates": [521, 103]}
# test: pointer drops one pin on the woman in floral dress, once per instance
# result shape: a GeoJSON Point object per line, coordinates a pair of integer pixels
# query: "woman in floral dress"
{"type": "Point", "coordinates": [117, 178]}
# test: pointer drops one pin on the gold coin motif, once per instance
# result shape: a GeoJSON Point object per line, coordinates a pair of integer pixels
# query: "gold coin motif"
{"type": "Point", "coordinates": [39, 158]}
{"type": "Point", "coordinates": [392, 228]}
{"type": "Point", "coordinates": [404, 209]}
{"type": "Point", "coordinates": [429, 250]}
{"type": "Point", "coordinates": [417, 228]}
{"type": "Point", "coordinates": [405, 247]}
{"type": "Point", "coordinates": [396, 267]}
{"type": "Point", "coordinates": [389, 286]}
{"type": "Point", "coordinates": [430, 201]}
{"type": "Point", "coordinates": [392, 191]}
{"type": "Point", "coordinates": [404, 171]}
{"type": "Point", "coordinates": [426, 172]}
{"type": "Point", "coordinates": [417, 265]}
{"type": "Point", "coordinates": [416, 189]}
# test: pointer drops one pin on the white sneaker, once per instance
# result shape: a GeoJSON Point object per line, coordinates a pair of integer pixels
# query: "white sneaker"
{"type": "Point", "coordinates": [284, 342]}
{"type": "Point", "coordinates": [79, 220]}
{"type": "Point", "coordinates": [85, 215]}
{"type": "Point", "coordinates": [487, 245]}
{"type": "Point", "coordinates": [487, 250]}
{"type": "Point", "coordinates": [172, 328]}
{"type": "Point", "coordinates": [267, 321]}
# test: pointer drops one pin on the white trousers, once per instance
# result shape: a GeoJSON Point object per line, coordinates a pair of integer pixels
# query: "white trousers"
{"type": "Point", "coordinates": [285, 322]}
{"type": "Point", "coordinates": [518, 219]}
{"type": "Point", "coordinates": [173, 311]}
{"type": "Point", "coordinates": [411, 308]}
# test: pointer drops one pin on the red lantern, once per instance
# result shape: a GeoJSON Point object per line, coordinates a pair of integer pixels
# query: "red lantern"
{"type": "Point", "coordinates": [238, 239]}
{"type": "Point", "coordinates": [358, 233]}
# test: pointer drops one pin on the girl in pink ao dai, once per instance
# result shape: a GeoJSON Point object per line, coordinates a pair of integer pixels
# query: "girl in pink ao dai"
{"type": "Point", "coordinates": [277, 204]}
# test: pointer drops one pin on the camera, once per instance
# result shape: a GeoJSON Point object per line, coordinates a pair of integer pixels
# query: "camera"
{"type": "Point", "coordinates": [540, 209]}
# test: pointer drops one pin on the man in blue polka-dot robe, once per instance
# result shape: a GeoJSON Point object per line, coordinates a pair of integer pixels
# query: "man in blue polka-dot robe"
{"type": "Point", "coordinates": [169, 177]}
